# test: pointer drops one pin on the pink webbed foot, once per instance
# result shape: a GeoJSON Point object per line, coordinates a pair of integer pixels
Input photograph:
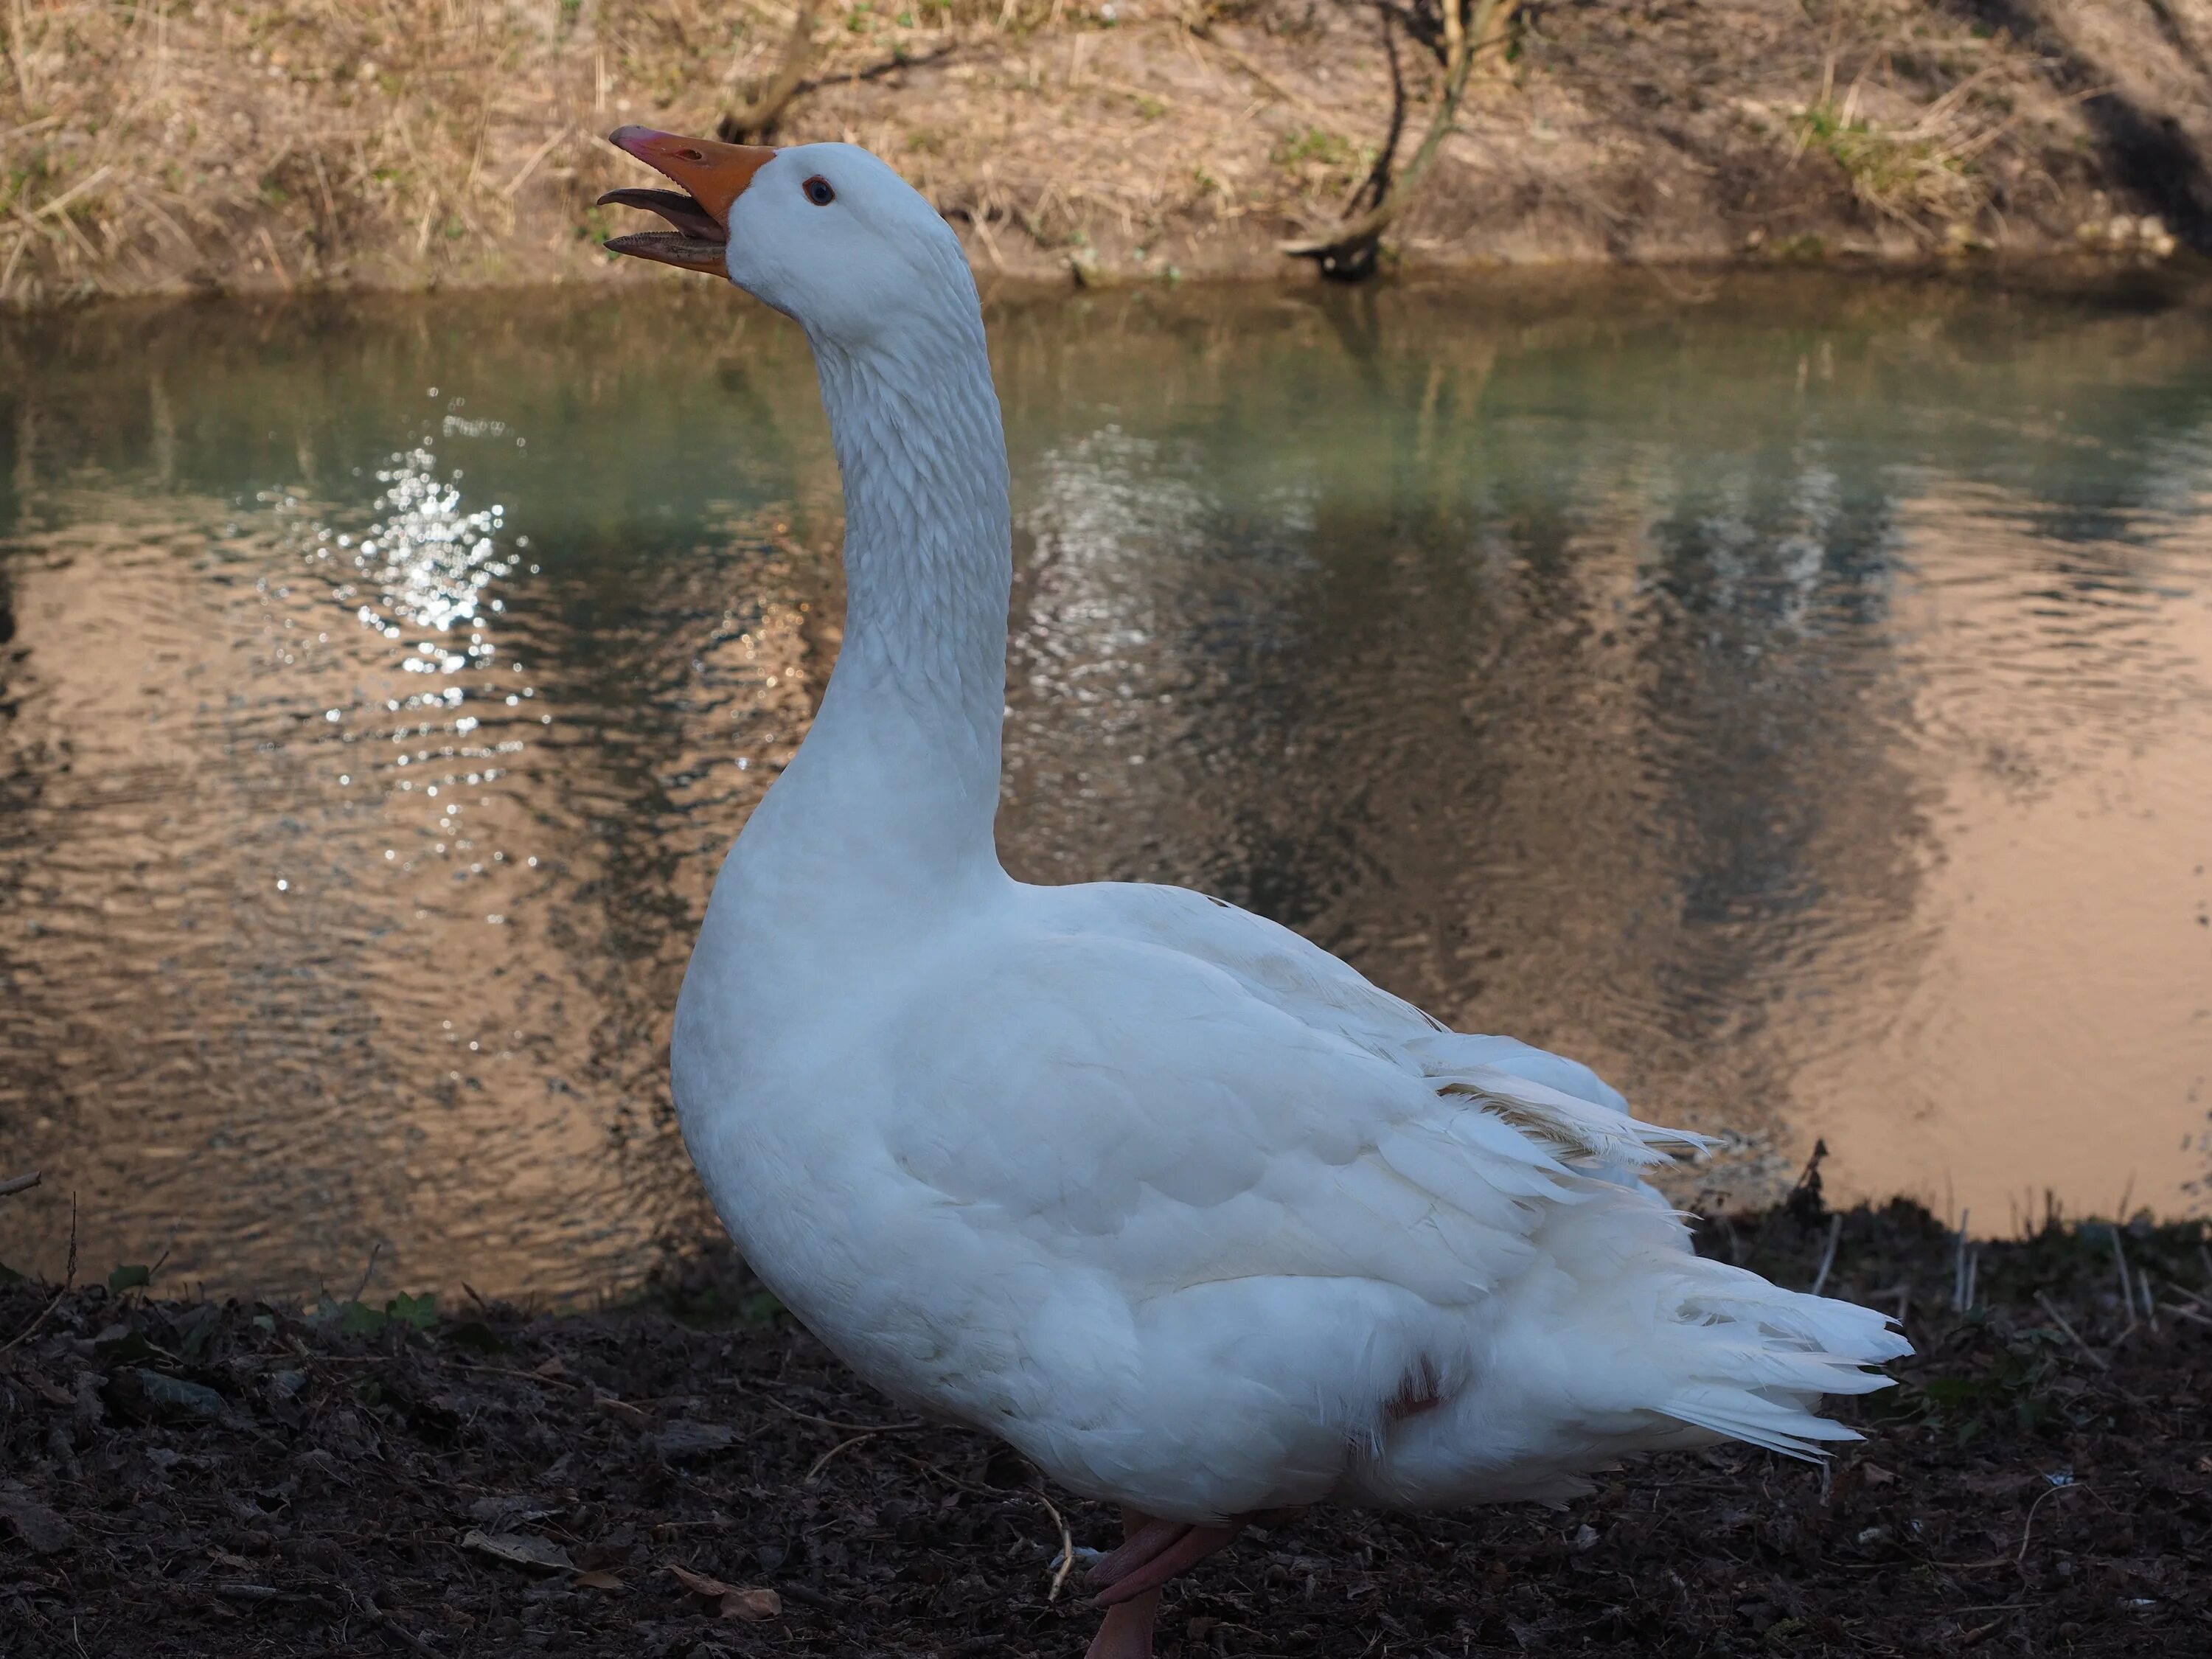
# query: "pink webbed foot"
{"type": "Point", "coordinates": [1142, 1539]}
{"type": "Point", "coordinates": [1192, 1547]}
{"type": "Point", "coordinates": [1128, 1579]}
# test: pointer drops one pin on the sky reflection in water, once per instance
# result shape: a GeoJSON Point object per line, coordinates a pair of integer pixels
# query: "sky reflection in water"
{"type": "Point", "coordinates": [1797, 704]}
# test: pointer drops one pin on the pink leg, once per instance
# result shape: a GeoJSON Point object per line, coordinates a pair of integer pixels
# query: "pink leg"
{"type": "Point", "coordinates": [1128, 1632]}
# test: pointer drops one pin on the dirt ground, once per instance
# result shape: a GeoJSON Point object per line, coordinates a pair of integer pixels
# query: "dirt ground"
{"type": "Point", "coordinates": [280, 144]}
{"type": "Point", "coordinates": [180, 1479]}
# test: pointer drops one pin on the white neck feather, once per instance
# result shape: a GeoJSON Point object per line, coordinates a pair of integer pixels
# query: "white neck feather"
{"type": "Point", "coordinates": [896, 786]}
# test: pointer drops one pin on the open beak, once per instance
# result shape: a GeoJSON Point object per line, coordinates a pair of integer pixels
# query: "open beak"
{"type": "Point", "coordinates": [713, 176]}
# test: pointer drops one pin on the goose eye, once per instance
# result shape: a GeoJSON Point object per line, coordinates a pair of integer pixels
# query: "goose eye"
{"type": "Point", "coordinates": [819, 192]}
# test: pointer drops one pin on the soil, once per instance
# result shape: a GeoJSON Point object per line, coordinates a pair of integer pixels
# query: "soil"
{"type": "Point", "coordinates": [235, 1479]}
{"type": "Point", "coordinates": [281, 145]}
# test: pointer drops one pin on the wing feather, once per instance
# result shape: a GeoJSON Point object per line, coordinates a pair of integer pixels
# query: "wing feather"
{"type": "Point", "coordinates": [1308, 1204]}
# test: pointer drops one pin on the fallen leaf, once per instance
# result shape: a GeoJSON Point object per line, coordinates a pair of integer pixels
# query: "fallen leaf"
{"type": "Point", "coordinates": [44, 1531]}
{"type": "Point", "coordinates": [596, 1580]}
{"type": "Point", "coordinates": [735, 1603]}
{"type": "Point", "coordinates": [504, 1511]}
{"type": "Point", "coordinates": [699, 1584]}
{"type": "Point", "coordinates": [1876, 1475]}
{"type": "Point", "coordinates": [522, 1548]}
{"type": "Point", "coordinates": [751, 1604]}
{"type": "Point", "coordinates": [551, 1369]}
{"type": "Point", "coordinates": [196, 1398]}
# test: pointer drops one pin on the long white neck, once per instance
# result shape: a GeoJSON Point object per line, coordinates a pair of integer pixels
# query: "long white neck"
{"type": "Point", "coordinates": [895, 789]}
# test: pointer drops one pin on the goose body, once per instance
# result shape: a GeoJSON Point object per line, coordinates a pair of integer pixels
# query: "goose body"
{"type": "Point", "coordinates": [1171, 1199]}
{"type": "Point", "coordinates": [1203, 1223]}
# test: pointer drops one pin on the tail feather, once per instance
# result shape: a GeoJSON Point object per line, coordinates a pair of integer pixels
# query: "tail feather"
{"type": "Point", "coordinates": [1740, 1414]}
{"type": "Point", "coordinates": [1763, 1358]}
{"type": "Point", "coordinates": [1720, 1349]}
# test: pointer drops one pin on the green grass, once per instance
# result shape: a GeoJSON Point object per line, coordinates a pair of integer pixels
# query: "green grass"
{"type": "Point", "coordinates": [1891, 171]}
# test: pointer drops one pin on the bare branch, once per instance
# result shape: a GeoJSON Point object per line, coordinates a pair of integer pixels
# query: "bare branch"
{"type": "Point", "coordinates": [1348, 251]}
{"type": "Point", "coordinates": [757, 119]}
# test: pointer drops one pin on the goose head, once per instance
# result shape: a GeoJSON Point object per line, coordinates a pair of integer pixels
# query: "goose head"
{"type": "Point", "coordinates": [826, 233]}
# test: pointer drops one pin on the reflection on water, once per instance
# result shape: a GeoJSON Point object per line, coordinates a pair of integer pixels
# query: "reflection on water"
{"type": "Point", "coordinates": [1797, 704]}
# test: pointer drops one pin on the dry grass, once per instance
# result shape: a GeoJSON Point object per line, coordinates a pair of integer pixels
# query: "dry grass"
{"type": "Point", "coordinates": [1923, 171]}
{"type": "Point", "coordinates": [171, 143]}
{"type": "Point", "coordinates": [158, 145]}
{"type": "Point", "coordinates": [166, 145]}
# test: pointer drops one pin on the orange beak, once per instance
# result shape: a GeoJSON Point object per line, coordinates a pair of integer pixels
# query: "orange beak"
{"type": "Point", "coordinates": [713, 176]}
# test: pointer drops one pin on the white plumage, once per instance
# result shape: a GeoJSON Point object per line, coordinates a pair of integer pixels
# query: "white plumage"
{"type": "Point", "coordinates": [1172, 1200]}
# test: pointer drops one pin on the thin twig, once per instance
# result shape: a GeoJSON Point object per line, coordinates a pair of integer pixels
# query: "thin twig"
{"type": "Point", "coordinates": [1066, 1546]}
{"type": "Point", "coordinates": [2059, 1320]}
{"type": "Point", "coordinates": [877, 71]}
{"type": "Point", "coordinates": [510, 1370]}
{"type": "Point", "coordinates": [366, 1272]}
{"type": "Point", "coordinates": [73, 191]}
{"type": "Point", "coordinates": [952, 1480]}
{"type": "Point", "coordinates": [522, 173]}
{"type": "Point", "coordinates": [2127, 1286]}
{"type": "Point", "coordinates": [1828, 1255]}
{"type": "Point", "coordinates": [821, 1461]}
{"type": "Point", "coordinates": [2027, 1531]}
{"type": "Point", "coordinates": [826, 1423]}
{"type": "Point", "coordinates": [386, 1622]}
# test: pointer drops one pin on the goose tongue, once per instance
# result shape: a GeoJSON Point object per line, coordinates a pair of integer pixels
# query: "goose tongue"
{"type": "Point", "coordinates": [680, 210]}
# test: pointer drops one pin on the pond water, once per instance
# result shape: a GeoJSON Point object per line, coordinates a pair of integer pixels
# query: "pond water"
{"type": "Point", "coordinates": [1794, 697]}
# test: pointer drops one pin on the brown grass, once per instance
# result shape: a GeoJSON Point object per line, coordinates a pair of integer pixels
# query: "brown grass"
{"type": "Point", "coordinates": [168, 145]}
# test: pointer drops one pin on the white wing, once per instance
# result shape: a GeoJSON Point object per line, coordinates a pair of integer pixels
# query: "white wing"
{"type": "Point", "coordinates": [1243, 1220]}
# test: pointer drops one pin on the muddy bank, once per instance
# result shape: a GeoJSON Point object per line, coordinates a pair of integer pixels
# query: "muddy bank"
{"type": "Point", "coordinates": [192, 1479]}
{"type": "Point", "coordinates": [281, 145]}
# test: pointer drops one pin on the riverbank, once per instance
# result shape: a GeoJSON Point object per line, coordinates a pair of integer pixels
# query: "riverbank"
{"type": "Point", "coordinates": [190, 1478]}
{"type": "Point", "coordinates": [273, 145]}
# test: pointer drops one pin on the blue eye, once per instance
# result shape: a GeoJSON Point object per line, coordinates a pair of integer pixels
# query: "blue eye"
{"type": "Point", "coordinates": [819, 191]}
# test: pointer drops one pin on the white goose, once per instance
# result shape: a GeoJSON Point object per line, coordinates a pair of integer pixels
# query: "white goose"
{"type": "Point", "coordinates": [1172, 1201]}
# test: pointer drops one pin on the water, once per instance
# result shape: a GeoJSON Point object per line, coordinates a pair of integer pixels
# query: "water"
{"type": "Point", "coordinates": [1794, 697]}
